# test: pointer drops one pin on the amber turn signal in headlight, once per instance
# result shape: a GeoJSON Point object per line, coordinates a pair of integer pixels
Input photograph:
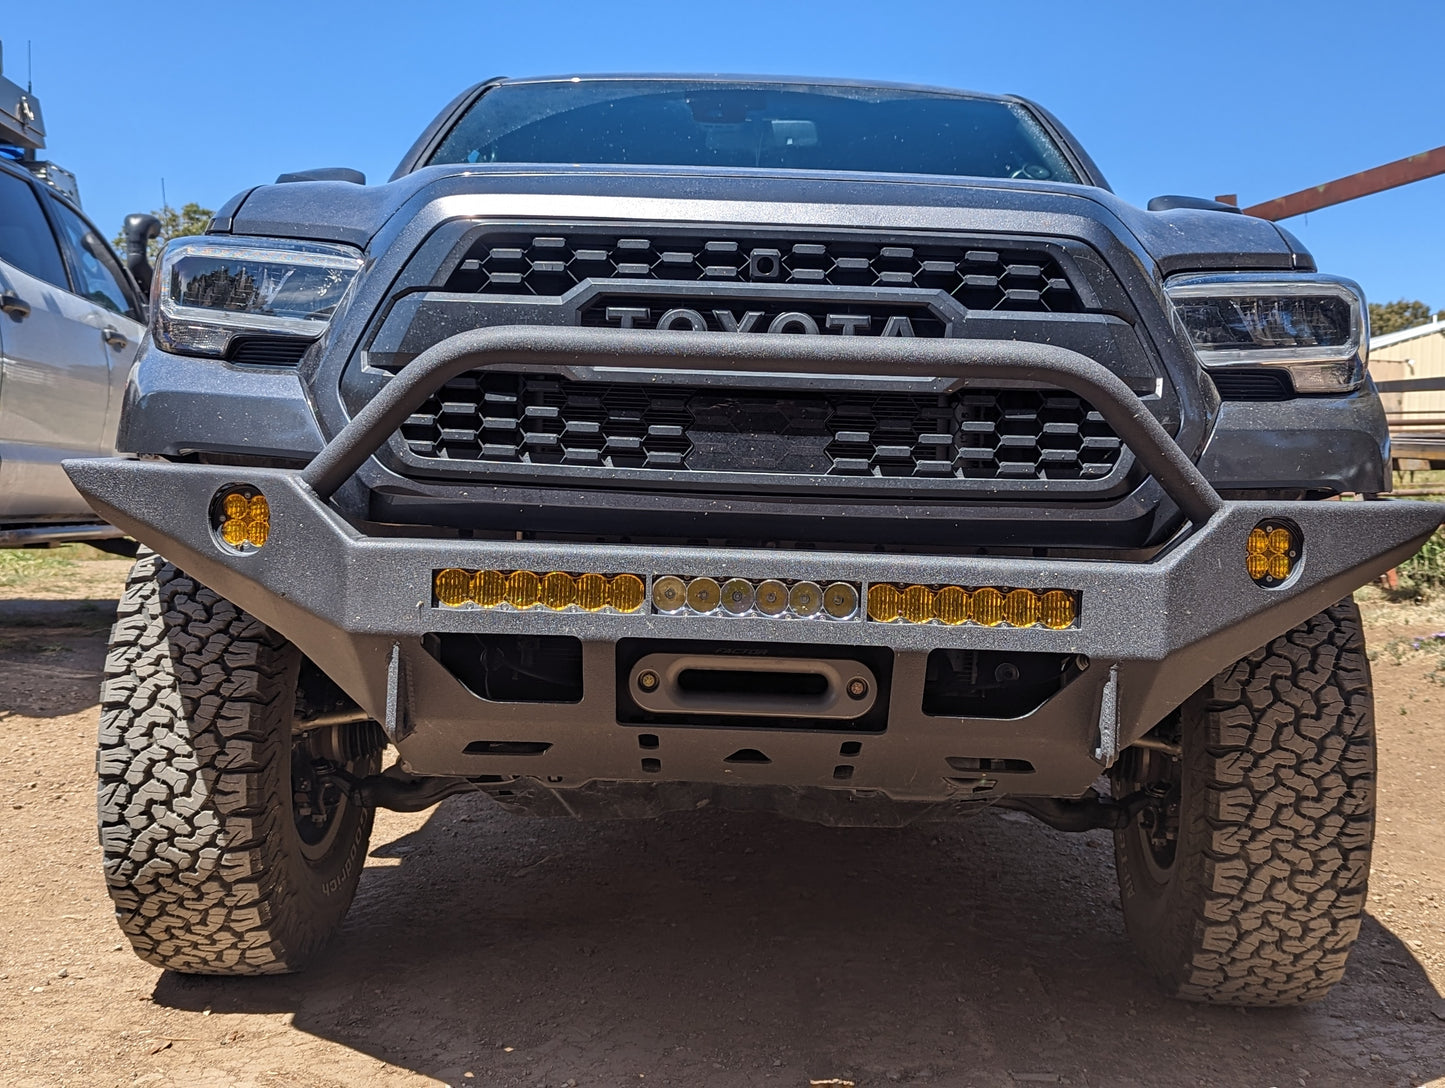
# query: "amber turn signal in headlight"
{"type": "Point", "coordinates": [557, 590]}
{"type": "Point", "coordinates": [242, 518]}
{"type": "Point", "coordinates": [1270, 552]}
{"type": "Point", "coordinates": [987, 606]}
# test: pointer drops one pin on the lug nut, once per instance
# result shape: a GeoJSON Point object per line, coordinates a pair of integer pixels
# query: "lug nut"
{"type": "Point", "coordinates": [857, 688]}
{"type": "Point", "coordinates": [647, 681]}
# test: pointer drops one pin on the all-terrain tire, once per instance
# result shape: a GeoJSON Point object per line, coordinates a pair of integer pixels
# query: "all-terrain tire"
{"type": "Point", "coordinates": [203, 857]}
{"type": "Point", "coordinates": [1275, 796]}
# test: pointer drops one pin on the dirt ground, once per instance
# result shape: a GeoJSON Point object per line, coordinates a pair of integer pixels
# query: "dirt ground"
{"type": "Point", "coordinates": [699, 950]}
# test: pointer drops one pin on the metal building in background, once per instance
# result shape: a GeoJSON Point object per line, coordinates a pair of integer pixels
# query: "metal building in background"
{"type": "Point", "coordinates": [1409, 368]}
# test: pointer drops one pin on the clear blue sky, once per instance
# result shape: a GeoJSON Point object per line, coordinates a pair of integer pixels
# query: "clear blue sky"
{"type": "Point", "coordinates": [1258, 98]}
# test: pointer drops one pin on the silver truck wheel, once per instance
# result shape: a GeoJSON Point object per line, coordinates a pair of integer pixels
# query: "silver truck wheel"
{"type": "Point", "coordinates": [1245, 881]}
{"type": "Point", "coordinates": [224, 854]}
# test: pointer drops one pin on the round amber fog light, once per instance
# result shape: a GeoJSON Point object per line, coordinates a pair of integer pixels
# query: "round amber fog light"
{"type": "Point", "coordinates": [241, 518]}
{"type": "Point", "coordinates": [1270, 552]}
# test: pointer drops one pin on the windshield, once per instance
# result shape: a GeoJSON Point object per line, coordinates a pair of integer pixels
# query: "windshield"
{"type": "Point", "coordinates": [754, 125]}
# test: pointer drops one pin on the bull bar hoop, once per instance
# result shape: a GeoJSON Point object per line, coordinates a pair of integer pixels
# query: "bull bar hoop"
{"type": "Point", "coordinates": [494, 348]}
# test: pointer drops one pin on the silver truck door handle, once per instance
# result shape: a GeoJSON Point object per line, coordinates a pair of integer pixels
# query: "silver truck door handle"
{"type": "Point", "coordinates": [15, 306]}
{"type": "Point", "coordinates": [114, 337]}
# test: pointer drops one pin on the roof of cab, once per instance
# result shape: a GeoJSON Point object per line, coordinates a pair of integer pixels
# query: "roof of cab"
{"type": "Point", "coordinates": [757, 80]}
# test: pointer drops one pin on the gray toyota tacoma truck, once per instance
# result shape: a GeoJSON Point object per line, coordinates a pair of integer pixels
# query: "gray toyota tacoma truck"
{"type": "Point", "coordinates": [846, 451]}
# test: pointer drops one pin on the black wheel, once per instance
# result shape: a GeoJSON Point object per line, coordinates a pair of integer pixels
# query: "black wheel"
{"type": "Point", "coordinates": [225, 851]}
{"type": "Point", "coordinates": [1243, 879]}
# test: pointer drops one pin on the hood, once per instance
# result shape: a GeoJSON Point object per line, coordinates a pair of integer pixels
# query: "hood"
{"type": "Point", "coordinates": [1175, 240]}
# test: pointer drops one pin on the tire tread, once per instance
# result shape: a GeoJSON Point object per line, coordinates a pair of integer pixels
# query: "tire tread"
{"type": "Point", "coordinates": [193, 766]}
{"type": "Point", "coordinates": [1284, 832]}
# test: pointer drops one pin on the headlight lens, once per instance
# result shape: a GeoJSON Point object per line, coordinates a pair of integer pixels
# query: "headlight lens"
{"type": "Point", "coordinates": [1313, 326]}
{"type": "Point", "coordinates": [213, 290]}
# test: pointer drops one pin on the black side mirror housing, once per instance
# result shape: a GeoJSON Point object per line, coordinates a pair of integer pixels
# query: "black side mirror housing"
{"type": "Point", "coordinates": [1199, 203]}
{"type": "Point", "coordinates": [139, 229]}
{"type": "Point", "coordinates": [325, 173]}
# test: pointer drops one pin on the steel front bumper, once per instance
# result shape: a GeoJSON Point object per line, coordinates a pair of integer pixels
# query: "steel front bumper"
{"type": "Point", "coordinates": [359, 605]}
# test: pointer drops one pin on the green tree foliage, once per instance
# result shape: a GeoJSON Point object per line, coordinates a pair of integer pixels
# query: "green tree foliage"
{"type": "Point", "coordinates": [1400, 314]}
{"type": "Point", "coordinates": [191, 219]}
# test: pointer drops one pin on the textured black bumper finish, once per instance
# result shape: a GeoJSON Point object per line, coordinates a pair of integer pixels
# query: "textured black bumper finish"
{"type": "Point", "coordinates": [359, 606]}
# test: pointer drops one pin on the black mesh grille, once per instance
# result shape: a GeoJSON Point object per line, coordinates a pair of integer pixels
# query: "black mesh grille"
{"type": "Point", "coordinates": [985, 277]}
{"type": "Point", "coordinates": [975, 434]}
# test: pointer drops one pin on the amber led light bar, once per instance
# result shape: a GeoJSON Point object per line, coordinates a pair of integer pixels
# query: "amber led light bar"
{"type": "Point", "coordinates": [524, 589]}
{"type": "Point", "coordinates": [988, 606]}
{"type": "Point", "coordinates": [772, 598]}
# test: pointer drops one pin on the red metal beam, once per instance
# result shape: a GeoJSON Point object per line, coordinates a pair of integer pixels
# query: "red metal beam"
{"type": "Point", "coordinates": [1393, 174]}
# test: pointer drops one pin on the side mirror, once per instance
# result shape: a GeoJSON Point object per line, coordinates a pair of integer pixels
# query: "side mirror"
{"type": "Point", "coordinates": [139, 229]}
{"type": "Point", "coordinates": [1199, 203]}
{"type": "Point", "coordinates": [325, 173]}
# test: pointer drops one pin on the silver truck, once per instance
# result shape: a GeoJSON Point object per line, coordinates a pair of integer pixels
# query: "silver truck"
{"type": "Point", "coordinates": [70, 326]}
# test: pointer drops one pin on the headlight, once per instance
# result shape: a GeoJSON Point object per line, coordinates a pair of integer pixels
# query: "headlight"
{"type": "Point", "coordinates": [1313, 326]}
{"type": "Point", "coordinates": [213, 290]}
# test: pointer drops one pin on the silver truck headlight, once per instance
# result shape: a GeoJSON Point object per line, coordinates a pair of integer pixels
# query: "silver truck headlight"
{"type": "Point", "coordinates": [1314, 326]}
{"type": "Point", "coordinates": [211, 290]}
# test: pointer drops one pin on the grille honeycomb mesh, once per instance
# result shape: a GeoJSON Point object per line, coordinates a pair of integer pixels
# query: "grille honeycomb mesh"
{"type": "Point", "coordinates": [1012, 434]}
{"type": "Point", "coordinates": [985, 277]}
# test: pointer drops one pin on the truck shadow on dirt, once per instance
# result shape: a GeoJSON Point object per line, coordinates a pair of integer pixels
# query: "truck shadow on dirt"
{"type": "Point", "coordinates": [54, 661]}
{"type": "Point", "coordinates": [720, 949]}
